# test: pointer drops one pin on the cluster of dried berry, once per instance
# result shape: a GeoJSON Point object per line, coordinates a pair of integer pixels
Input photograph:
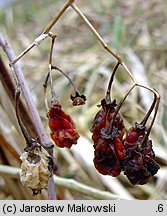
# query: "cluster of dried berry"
{"type": "Point", "coordinates": [134, 154]}
{"type": "Point", "coordinates": [115, 150]}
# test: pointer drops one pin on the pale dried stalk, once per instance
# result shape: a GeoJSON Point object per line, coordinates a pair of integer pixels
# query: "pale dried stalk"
{"type": "Point", "coordinates": [45, 33]}
{"type": "Point", "coordinates": [44, 140]}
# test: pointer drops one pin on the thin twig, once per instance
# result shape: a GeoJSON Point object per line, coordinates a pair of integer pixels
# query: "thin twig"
{"type": "Point", "coordinates": [78, 11]}
{"type": "Point", "coordinates": [157, 96]}
{"type": "Point", "coordinates": [152, 122]}
{"type": "Point", "coordinates": [111, 81]}
{"type": "Point", "coordinates": [144, 121]}
{"type": "Point", "coordinates": [69, 184]}
{"type": "Point", "coordinates": [106, 47]}
{"type": "Point", "coordinates": [45, 33]}
{"type": "Point", "coordinates": [23, 53]}
{"type": "Point", "coordinates": [57, 17]}
{"type": "Point", "coordinates": [70, 80]}
{"type": "Point", "coordinates": [9, 86]}
{"type": "Point", "coordinates": [27, 94]}
{"type": "Point", "coordinates": [44, 140]}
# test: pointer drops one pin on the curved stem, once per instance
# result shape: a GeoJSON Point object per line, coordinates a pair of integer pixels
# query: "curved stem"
{"type": "Point", "coordinates": [28, 139]}
{"type": "Point", "coordinates": [139, 85]}
{"type": "Point", "coordinates": [108, 97]}
{"type": "Point", "coordinates": [156, 97]}
{"type": "Point", "coordinates": [144, 121]}
{"type": "Point", "coordinates": [119, 107]}
{"type": "Point", "coordinates": [70, 80]}
{"type": "Point", "coordinates": [152, 122]}
{"type": "Point", "coordinates": [150, 89]}
{"type": "Point", "coordinates": [120, 104]}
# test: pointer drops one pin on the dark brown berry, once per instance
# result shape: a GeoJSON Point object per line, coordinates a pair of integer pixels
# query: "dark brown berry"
{"type": "Point", "coordinates": [139, 164]}
{"type": "Point", "coordinates": [108, 131]}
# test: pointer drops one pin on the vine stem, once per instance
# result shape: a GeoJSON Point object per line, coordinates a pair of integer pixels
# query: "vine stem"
{"type": "Point", "coordinates": [46, 33]}
{"type": "Point", "coordinates": [139, 85]}
{"type": "Point", "coordinates": [44, 140]}
{"type": "Point", "coordinates": [157, 101]}
{"type": "Point", "coordinates": [108, 97]}
{"type": "Point", "coordinates": [26, 92]}
{"type": "Point", "coordinates": [106, 47]}
{"type": "Point", "coordinates": [9, 86]}
{"type": "Point", "coordinates": [57, 17]}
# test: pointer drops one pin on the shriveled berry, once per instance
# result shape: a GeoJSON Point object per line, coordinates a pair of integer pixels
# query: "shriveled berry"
{"type": "Point", "coordinates": [105, 160]}
{"type": "Point", "coordinates": [107, 136]}
{"type": "Point", "coordinates": [139, 164]}
{"type": "Point", "coordinates": [36, 169]}
{"type": "Point", "coordinates": [62, 127]}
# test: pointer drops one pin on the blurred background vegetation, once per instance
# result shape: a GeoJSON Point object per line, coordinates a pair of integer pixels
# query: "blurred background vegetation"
{"type": "Point", "coordinates": [136, 30]}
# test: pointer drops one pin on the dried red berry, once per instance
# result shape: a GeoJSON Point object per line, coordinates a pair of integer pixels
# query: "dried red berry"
{"type": "Point", "coordinates": [139, 164]}
{"type": "Point", "coordinates": [107, 137]}
{"type": "Point", "coordinates": [63, 129]}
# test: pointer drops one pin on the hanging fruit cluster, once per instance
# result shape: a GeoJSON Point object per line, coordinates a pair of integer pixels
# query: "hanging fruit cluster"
{"type": "Point", "coordinates": [115, 150]}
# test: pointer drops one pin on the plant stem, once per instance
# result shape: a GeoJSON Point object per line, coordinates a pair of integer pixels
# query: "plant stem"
{"type": "Point", "coordinates": [72, 83]}
{"type": "Point", "coordinates": [8, 84]}
{"type": "Point", "coordinates": [144, 121]}
{"type": "Point", "coordinates": [69, 184]}
{"type": "Point", "coordinates": [57, 17]}
{"type": "Point", "coordinates": [45, 32]}
{"type": "Point", "coordinates": [108, 97]}
{"type": "Point", "coordinates": [27, 94]}
{"type": "Point", "coordinates": [95, 32]}
{"type": "Point", "coordinates": [106, 47]}
{"type": "Point", "coordinates": [22, 54]}
{"type": "Point", "coordinates": [24, 131]}
{"type": "Point", "coordinates": [156, 110]}
{"type": "Point", "coordinates": [144, 142]}
{"type": "Point", "coordinates": [44, 140]}
{"type": "Point", "coordinates": [157, 96]}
